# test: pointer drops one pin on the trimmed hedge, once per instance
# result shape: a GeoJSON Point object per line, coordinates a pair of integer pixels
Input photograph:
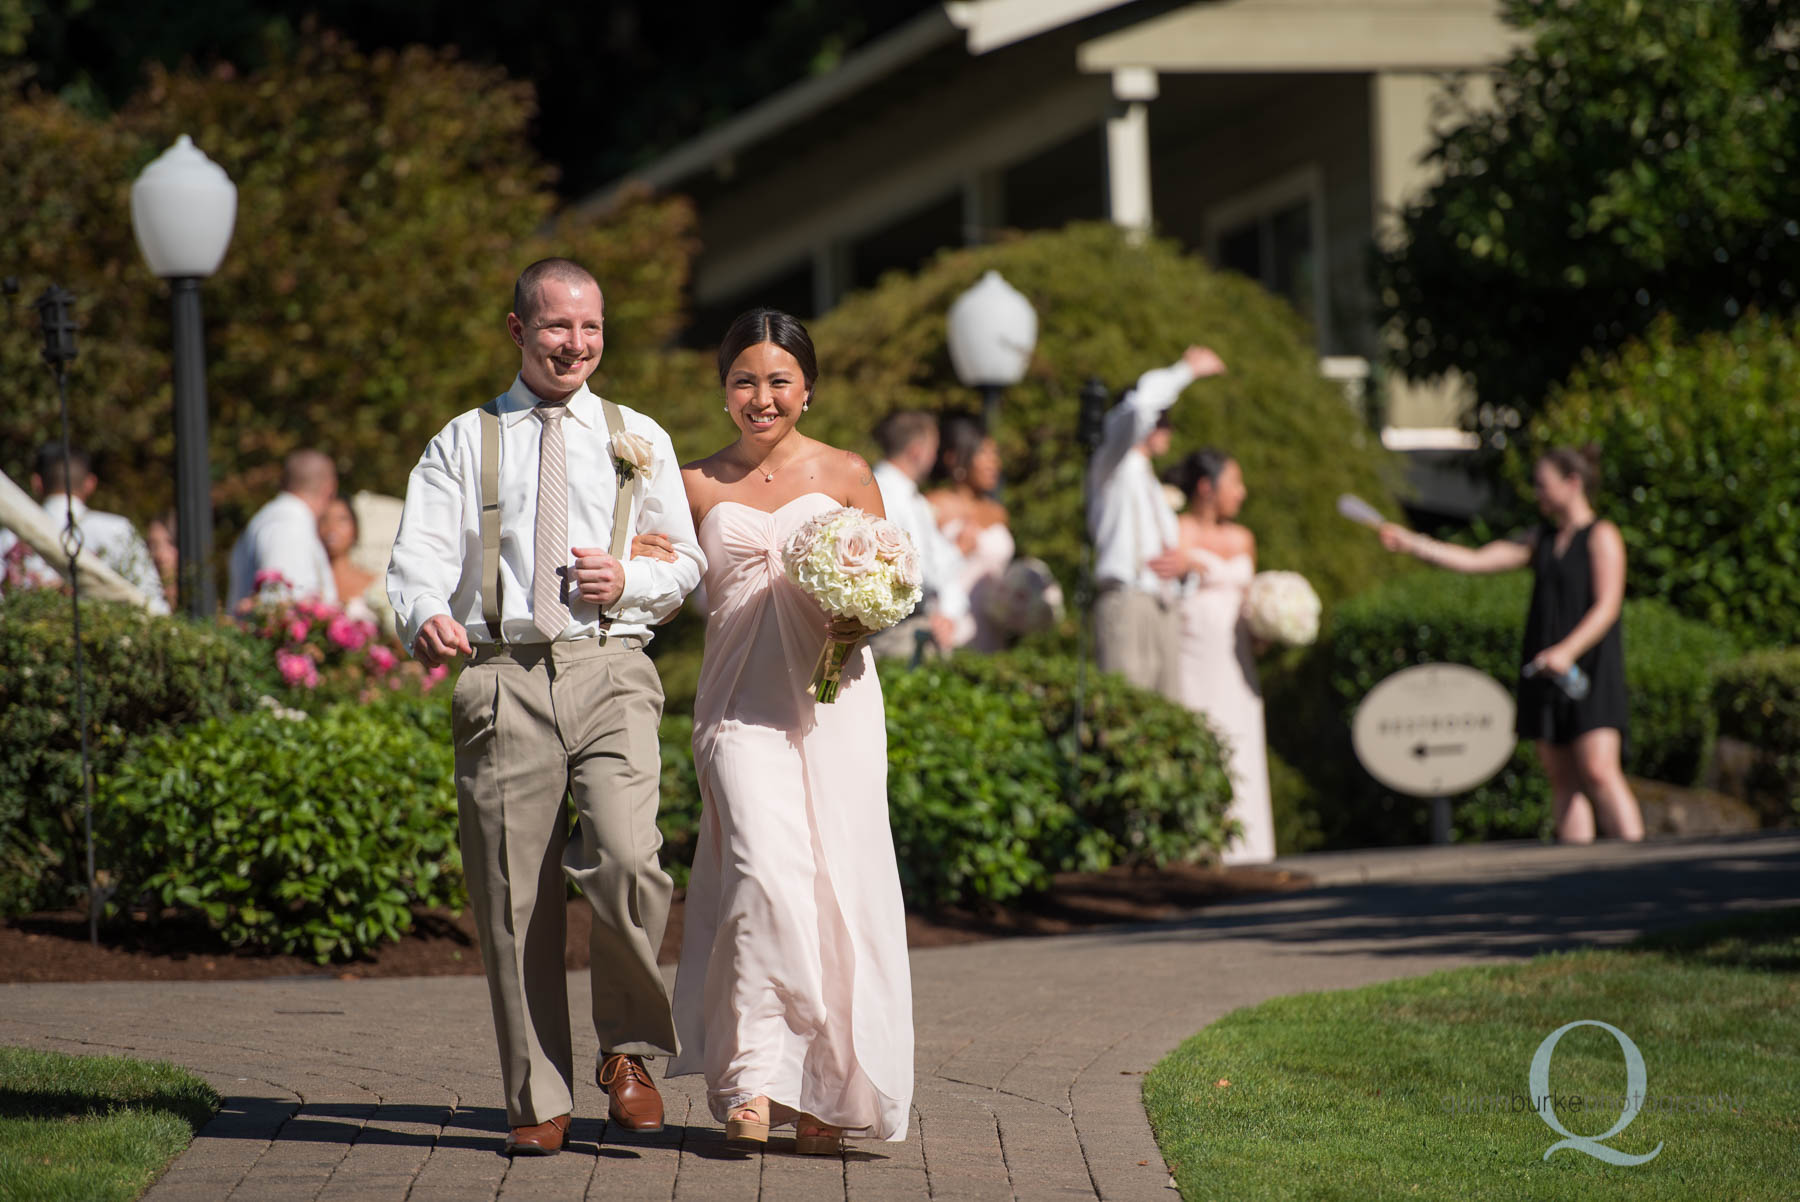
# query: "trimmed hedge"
{"type": "Point", "coordinates": [1757, 699]}
{"type": "Point", "coordinates": [1150, 782]}
{"type": "Point", "coordinates": [144, 674]}
{"type": "Point", "coordinates": [979, 776]}
{"type": "Point", "coordinates": [303, 835]}
{"type": "Point", "coordinates": [1114, 307]}
{"type": "Point", "coordinates": [1428, 617]}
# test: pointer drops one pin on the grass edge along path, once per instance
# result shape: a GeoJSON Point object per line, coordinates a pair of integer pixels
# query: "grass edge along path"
{"type": "Point", "coordinates": [93, 1128]}
{"type": "Point", "coordinates": [1420, 1088]}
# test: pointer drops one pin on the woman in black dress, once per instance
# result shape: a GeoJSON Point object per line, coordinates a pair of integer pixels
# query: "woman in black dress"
{"type": "Point", "coordinates": [1578, 570]}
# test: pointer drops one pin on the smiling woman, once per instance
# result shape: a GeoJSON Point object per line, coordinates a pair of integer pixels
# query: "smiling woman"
{"type": "Point", "coordinates": [793, 995]}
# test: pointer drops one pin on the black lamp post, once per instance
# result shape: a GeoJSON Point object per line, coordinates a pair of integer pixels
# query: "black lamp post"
{"type": "Point", "coordinates": [183, 208]}
{"type": "Point", "coordinates": [1090, 431]}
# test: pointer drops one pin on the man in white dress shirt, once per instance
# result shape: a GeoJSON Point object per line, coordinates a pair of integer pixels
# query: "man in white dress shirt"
{"type": "Point", "coordinates": [110, 537]}
{"type": "Point", "coordinates": [909, 447]}
{"type": "Point", "coordinates": [558, 697]}
{"type": "Point", "coordinates": [283, 537]}
{"type": "Point", "coordinates": [1136, 539]}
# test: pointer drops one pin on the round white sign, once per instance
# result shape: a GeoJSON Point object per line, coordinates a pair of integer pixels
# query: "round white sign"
{"type": "Point", "coordinates": [1435, 730]}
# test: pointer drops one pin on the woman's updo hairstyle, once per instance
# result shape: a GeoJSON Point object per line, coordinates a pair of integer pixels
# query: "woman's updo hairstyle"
{"type": "Point", "coordinates": [757, 326]}
{"type": "Point", "coordinates": [1583, 463]}
{"type": "Point", "coordinates": [1208, 463]}
{"type": "Point", "coordinates": [960, 436]}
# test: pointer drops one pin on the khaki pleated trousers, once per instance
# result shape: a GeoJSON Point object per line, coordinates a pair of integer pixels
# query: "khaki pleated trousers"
{"type": "Point", "coordinates": [535, 726]}
{"type": "Point", "coordinates": [1138, 635]}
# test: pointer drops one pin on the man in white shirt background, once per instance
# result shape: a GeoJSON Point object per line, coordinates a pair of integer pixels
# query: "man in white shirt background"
{"type": "Point", "coordinates": [109, 537]}
{"type": "Point", "coordinates": [909, 448]}
{"type": "Point", "coordinates": [557, 698]}
{"type": "Point", "coordinates": [283, 537]}
{"type": "Point", "coordinates": [1137, 565]}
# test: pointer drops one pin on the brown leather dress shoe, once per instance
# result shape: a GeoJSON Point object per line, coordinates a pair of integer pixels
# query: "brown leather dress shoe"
{"type": "Point", "coordinates": [539, 1139]}
{"type": "Point", "coordinates": [632, 1100]}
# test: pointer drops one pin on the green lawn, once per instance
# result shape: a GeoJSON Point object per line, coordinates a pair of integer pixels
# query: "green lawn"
{"type": "Point", "coordinates": [1406, 1090]}
{"type": "Point", "coordinates": [89, 1128]}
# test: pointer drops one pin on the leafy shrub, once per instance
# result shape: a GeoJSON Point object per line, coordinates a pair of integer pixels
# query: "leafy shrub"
{"type": "Point", "coordinates": [1580, 198]}
{"type": "Point", "coordinates": [974, 788]}
{"type": "Point", "coordinates": [302, 835]}
{"type": "Point", "coordinates": [1109, 308]}
{"type": "Point", "coordinates": [979, 778]}
{"type": "Point", "coordinates": [1150, 784]}
{"type": "Point", "coordinates": [413, 165]}
{"type": "Point", "coordinates": [1700, 439]}
{"type": "Point", "coordinates": [1757, 699]}
{"type": "Point", "coordinates": [1430, 617]}
{"type": "Point", "coordinates": [144, 674]}
{"type": "Point", "coordinates": [678, 812]}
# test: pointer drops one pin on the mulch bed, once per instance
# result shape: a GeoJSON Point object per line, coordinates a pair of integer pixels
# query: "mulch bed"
{"type": "Point", "coordinates": [54, 946]}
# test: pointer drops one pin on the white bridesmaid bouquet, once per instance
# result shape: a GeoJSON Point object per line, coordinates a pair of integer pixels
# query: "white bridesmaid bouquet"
{"type": "Point", "coordinates": [855, 566]}
{"type": "Point", "coordinates": [1281, 607]}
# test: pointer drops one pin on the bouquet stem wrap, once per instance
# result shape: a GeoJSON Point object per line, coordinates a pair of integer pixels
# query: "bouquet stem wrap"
{"type": "Point", "coordinates": [828, 673]}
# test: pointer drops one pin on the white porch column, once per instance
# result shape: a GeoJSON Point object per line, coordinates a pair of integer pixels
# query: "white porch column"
{"type": "Point", "coordinates": [983, 205]}
{"type": "Point", "coordinates": [830, 275]}
{"type": "Point", "coordinates": [1128, 149]}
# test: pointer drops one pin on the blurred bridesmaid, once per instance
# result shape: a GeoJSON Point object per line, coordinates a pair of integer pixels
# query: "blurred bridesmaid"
{"type": "Point", "coordinates": [1218, 659]}
{"type": "Point", "coordinates": [339, 531]}
{"type": "Point", "coordinates": [969, 467]}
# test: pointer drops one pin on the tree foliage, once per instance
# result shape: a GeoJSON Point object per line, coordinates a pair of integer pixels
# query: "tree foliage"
{"type": "Point", "coordinates": [1700, 463]}
{"type": "Point", "coordinates": [1109, 308]}
{"type": "Point", "coordinates": [625, 81]}
{"type": "Point", "coordinates": [385, 203]}
{"type": "Point", "coordinates": [1638, 159]}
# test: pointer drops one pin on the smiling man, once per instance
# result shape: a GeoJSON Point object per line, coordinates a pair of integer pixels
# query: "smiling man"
{"type": "Point", "coordinates": [558, 698]}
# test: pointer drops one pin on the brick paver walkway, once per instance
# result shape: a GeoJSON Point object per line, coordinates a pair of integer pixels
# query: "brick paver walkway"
{"type": "Point", "coordinates": [1030, 1051]}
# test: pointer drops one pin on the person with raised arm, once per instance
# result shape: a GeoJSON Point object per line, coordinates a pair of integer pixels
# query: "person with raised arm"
{"type": "Point", "coordinates": [1572, 699]}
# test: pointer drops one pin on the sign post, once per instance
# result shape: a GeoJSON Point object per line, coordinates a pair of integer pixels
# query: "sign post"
{"type": "Point", "coordinates": [1435, 731]}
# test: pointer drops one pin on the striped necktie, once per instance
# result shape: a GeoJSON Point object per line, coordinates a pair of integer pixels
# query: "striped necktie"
{"type": "Point", "coordinates": [550, 548]}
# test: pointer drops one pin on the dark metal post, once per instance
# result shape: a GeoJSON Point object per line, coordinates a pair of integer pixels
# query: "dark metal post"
{"type": "Point", "coordinates": [58, 324]}
{"type": "Point", "coordinates": [990, 406]}
{"type": "Point", "coordinates": [1089, 432]}
{"type": "Point", "coordinates": [193, 481]}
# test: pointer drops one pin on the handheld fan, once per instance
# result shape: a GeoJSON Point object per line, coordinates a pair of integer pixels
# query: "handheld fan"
{"type": "Point", "coordinates": [1360, 511]}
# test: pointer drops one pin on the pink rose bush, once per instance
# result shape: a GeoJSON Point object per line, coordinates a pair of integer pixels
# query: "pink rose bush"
{"type": "Point", "coordinates": [319, 646]}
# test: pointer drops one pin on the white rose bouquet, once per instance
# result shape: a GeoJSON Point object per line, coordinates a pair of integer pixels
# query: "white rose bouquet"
{"type": "Point", "coordinates": [1281, 607]}
{"type": "Point", "coordinates": [854, 566]}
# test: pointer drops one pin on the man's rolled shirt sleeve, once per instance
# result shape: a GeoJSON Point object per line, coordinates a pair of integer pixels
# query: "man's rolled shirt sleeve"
{"type": "Point", "coordinates": [436, 540]}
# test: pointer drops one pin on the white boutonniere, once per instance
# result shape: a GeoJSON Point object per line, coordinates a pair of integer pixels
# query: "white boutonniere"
{"type": "Point", "coordinates": [632, 453]}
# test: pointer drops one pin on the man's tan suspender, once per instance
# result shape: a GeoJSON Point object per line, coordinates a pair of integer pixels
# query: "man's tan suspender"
{"type": "Point", "coordinates": [490, 509]}
{"type": "Point", "coordinates": [490, 520]}
{"type": "Point", "coordinates": [621, 532]}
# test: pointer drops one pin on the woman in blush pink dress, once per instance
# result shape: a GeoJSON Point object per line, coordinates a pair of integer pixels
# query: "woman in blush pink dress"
{"type": "Point", "coordinates": [793, 994]}
{"type": "Point", "coordinates": [969, 465]}
{"type": "Point", "coordinates": [1218, 658]}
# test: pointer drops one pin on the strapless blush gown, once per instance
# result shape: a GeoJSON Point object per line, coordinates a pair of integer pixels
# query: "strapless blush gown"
{"type": "Point", "coordinates": [1218, 679]}
{"type": "Point", "coordinates": [793, 981]}
{"type": "Point", "coordinates": [982, 569]}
